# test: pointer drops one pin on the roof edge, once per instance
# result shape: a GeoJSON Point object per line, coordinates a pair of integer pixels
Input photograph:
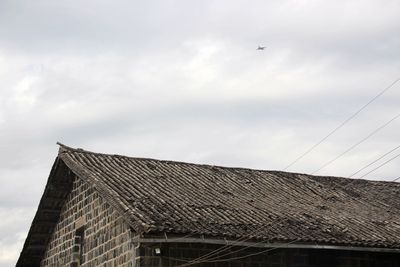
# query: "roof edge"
{"type": "Point", "coordinates": [65, 148]}
{"type": "Point", "coordinates": [99, 187]}
{"type": "Point", "coordinates": [288, 244]}
{"type": "Point", "coordinates": [60, 181]}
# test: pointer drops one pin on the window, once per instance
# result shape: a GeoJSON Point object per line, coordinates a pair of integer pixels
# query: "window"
{"type": "Point", "coordinates": [79, 246]}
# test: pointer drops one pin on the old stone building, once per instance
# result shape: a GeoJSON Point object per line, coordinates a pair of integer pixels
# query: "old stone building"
{"type": "Point", "coordinates": [111, 210]}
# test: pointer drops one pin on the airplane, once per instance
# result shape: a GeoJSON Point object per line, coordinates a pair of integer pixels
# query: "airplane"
{"type": "Point", "coordinates": [261, 47]}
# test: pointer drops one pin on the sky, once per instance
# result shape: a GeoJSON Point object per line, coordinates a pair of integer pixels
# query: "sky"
{"type": "Point", "coordinates": [182, 80]}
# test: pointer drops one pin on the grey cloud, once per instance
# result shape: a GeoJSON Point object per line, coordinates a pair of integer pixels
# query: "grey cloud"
{"type": "Point", "coordinates": [344, 30]}
{"type": "Point", "coordinates": [182, 80]}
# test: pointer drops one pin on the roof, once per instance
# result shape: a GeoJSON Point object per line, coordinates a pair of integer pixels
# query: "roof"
{"type": "Point", "coordinates": [158, 196]}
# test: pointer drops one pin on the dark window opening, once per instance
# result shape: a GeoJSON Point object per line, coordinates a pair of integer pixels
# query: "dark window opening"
{"type": "Point", "coordinates": [79, 244]}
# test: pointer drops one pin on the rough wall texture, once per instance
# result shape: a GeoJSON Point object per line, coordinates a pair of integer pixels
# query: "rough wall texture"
{"type": "Point", "coordinates": [106, 238]}
{"type": "Point", "coordinates": [172, 254]}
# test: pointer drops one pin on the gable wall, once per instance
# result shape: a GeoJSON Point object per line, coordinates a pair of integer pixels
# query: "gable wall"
{"type": "Point", "coordinates": [107, 240]}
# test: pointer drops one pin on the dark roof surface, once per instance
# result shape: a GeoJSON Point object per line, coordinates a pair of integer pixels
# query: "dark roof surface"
{"type": "Point", "coordinates": [175, 197]}
{"type": "Point", "coordinates": [157, 196]}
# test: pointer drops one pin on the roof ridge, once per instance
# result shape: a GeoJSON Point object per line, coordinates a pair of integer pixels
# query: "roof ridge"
{"type": "Point", "coordinates": [65, 148]}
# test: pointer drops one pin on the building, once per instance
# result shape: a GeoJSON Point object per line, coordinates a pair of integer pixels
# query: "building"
{"type": "Point", "coordinates": [111, 210]}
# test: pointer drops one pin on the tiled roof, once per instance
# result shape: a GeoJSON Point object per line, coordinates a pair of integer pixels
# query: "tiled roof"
{"type": "Point", "coordinates": [158, 196]}
{"type": "Point", "coordinates": [175, 197]}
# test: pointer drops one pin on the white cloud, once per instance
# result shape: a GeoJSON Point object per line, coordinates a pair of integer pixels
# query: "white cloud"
{"type": "Point", "coordinates": [26, 94]}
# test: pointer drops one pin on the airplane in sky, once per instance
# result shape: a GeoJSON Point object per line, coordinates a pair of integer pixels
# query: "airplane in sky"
{"type": "Point", "coordinates": [261, 47]}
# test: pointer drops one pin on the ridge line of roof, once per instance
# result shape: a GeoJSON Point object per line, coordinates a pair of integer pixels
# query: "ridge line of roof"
{"type": "Point", "coordinates": [64, 148]}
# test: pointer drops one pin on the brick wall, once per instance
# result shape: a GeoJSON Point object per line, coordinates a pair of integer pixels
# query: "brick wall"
{"type": "Point", "coordinates": [106, 238]}
{"type": "Point", "coordinates": [175, 254]}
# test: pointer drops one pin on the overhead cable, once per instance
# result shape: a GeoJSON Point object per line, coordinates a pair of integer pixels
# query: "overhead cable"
{"type": "Point", "coordinates": [383, 164]}
{"type": "Point", "coordinates": [358, 143]}
{"type": "Point", "coordinates": [217, 259]}
{"type": "Point", "coordinates": [376, 160]}
{"type": "Point", "coordinates": [341, 125]}
{"type": "Point", "coordinates": [215, 255]}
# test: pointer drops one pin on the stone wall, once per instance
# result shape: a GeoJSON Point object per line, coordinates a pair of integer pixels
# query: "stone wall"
{"type": "Point", "coordinates": [176, 254]}
{"type": "Point", "coordinates": [106, 238]}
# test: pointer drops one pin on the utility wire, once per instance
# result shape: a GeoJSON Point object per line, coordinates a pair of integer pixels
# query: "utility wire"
{"type": "Point", "coordinates": [226, 247]}
{"type": "Point", "coordinates": [340, 125]}
{"type": "Point", "coordinates": [208, 257]}
{"type": "Point", "coordinates": [358, 143]}
{"type": "Point", "coordinates": [332, 132]}
{"type": "Point", "coordinates": [376, 160]}
{"type": "Point", "coordinates": [383, 164]}
{"type": "Point", "coordinates": [195, 261]}
{"type": "Point", "coordinates": [215, 252]}
{"type": "Point", "coordinates": [252, 254]}
{"type": "Point", "coordinates": [213, 255]}
{"type": "Point", "coordinates": [217, 259]}
{"type": "Point", "coordinates": [233, 243]}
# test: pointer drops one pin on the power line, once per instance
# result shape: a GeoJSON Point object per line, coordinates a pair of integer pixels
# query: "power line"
{"type": "Point", "coordinates": [213, 254]}
{"type": "Point", "coordinates": [252, 254]}
{"type": "Point", "coordinates": [376, 160]}
{"type": "Point", "coordinates": [215, 259]}
{"type": "Point", "coordinates": [208, 257]}
{"type": "Point", "coordinates": [224, 248]}
{"type": "Point", "coordinates": [358, 143]}
{"type": "Point", "coordinates": [341, 125]}
{"type": "Point", "coordinates": [383, 164]}
{"type": "Point", "coordinates": [308, 151]}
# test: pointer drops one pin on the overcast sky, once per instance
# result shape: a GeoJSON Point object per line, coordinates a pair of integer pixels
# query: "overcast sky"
{"type": "Point", "coordinates": [182, 80]}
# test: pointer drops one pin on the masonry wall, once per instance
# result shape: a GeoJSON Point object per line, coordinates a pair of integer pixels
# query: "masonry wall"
{"type": "Point", "coordinates": [106, 238]}
{"type": "Point", "coordinates": [173, 255]}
